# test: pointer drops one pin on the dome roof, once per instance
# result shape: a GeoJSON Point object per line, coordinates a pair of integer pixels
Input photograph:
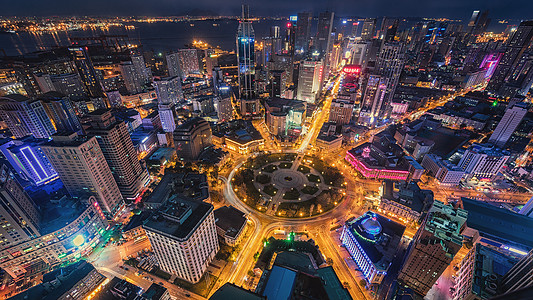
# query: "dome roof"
{"type": "Point", "coordinates": [371, 226]}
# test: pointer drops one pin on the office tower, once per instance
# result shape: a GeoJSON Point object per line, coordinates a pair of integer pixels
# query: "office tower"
{"type": "Point", "coordinates": [507, 125]}
{"type": "Point", "coordinates": [25, 116]}
{"type": "Point", "coordinates": [390, 63]}
{"type": "Point", "coordinates": [61, 112]}
{"type": "Point", "coordinates": [309, 80]}
{"type": "Point", "coordinates": [45, 82]}
{"type": "Point", "coordinates": [275, 36]}
{"type": "Point", "coordinates": [173, 64]}
{"type": "Point", "coordinates": [68, 84]}
{"type": "Point", "coordinates": [433, 247]}
{"type": "Point", "coordinates": [167, 114]}
{"type": "Point", "coordinates": [478, 22]}
{"type": "Point", "coordinates": [223, 107]}
{"type": "Point", "coordinates": [28, 160]}
{"type": "Point", "coordinates": [191, 138]}
{"type": "Point", "coordinates": [82, 168]}
{"type": "Point", "coordinates": [117, 147]}
{"type": "Point", "coordinates": [369, 29]}
{"type": "Point", "coordinates": [183, 236]}
{"type": "Point", "coordinates": [481, 272]}
{"type": "Point", "coordinates": [372, 105]}
{"type": "Point", "coordinates": [303, 33]}
{"type": "Point", "coordinates": [483, 160]}
{"type": "Point", "coordinates": [246, 56]}
{"type": "Point", "coordinates": [87, 72]}
{"type": "Point", "coordinates": [144, 72]}
{"type": "Point", "coordinates": [277, 83]}
{"type": "Point", "coordinates": [359, 53]}
{"type": "Point", "coordinates": [520, 276]}
{"type": "Point", "coordinates": [324, 39]}
{"type": "Point", "coordinates": [77, 281]}
{"type": "Point", "coordinates": [516, 49]}
{"type": "Point", "coordinates": [388, 29]}
{"type": "Point", "coordinates": [355, 27]}
{"type": "Point", "coordinates": [18, 214]}
{"type": "Point", "coordinates": [188, 62]}
{"type": "Point", "coordinates": [132, 79]}
{"type": "Point", "coordinates": [341, 111]}
{"type": "Point", "coordinates": [168, 90]}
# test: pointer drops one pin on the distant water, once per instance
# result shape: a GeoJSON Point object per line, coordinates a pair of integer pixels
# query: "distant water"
{"type": "Point", "coordinates": [159, 36]}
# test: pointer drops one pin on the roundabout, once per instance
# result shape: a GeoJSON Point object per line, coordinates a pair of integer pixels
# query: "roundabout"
{"type": "Point", "coordinates": [288, 185]}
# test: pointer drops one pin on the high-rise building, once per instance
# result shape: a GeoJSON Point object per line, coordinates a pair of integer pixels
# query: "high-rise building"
{"type": "Point", "coordinates": [87, 72]}
{"type": "Point", "coordinates": [82, 168]}
{"type": "Point", "coordinates": [117, 147]}
{"type": "Point", "coordinates": [246, 55]}
{"type": "Point", "coordinates": [191, 138]}
{"type": "Point", "coordinates": [324, 39]}
{"type": "Point", "coordinates": [68, 84]}
{"type": "Point", "coordinates": [309, 80]}
{"type": "Point", "coordinates": [433, 247]}
{"type": "Point", "coordinates": [61, 112]}
{"type": "Point", "coordinates": [372, 105]}
{"type": "Point", "coordinates": [480, 273]}
{"type": "Point", "coordinates": [189, 62]}
{"type": "Point", "coordinates": [25, 116]}
{"type": "Point", "coordinates": [478, 22]}
{"type": "Point", "coordinates": [28, 160]}
{"type": "Point", "coordinates": [390, 63]}
{"type": "Point", "coordinates": [508, 124]}
{"type": "Point", "coordinates": [483, 160]}
{"type": "Point", "coordinates": [173, 64]}
{"type": "Point", "coordinates": [223, 106]}
{"type": "Point", "coordinates": [18, 213]}
{"type": "Point", "coordinates": [168, 90]}
{"type": "Point", "coordinates": [145, 73]}
{"type": "Point", "coordinates": [507, 70]}
{"type": "Point", "coordinates": [303, 33]}
{"type": "Point", "coordinates": [132, 79]}
{"type": "Point", "coordinates": [341, 111]}
{"type": "Point", "coordinates": [520, 276]}
{"type": "Point", "coordinates": [167, 115]}
{"type": "Point", "coordinates": [369, 29]}
{"type": "Point", "coordinates": [184, 238]}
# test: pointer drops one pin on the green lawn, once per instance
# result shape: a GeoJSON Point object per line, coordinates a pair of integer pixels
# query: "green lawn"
{"type": "Point", "coordinates": [270, 190]}
{"type": "Point", "coordinates": [313, 178]}
{"type": "Point", "coordinates": [292, 194]}
{"type": "Point", "coordinates": [270, 168]}
{"type": "Point", "coordinates": [304, 169]}
{"type": "Point", "coordinates": [285, 165]}
{"type": "Point", "coordinates": [310, 190]}
{"type": "Point", "coordinates": [263, 178]}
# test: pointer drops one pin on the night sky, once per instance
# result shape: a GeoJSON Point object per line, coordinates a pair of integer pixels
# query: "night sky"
{"type": "Point", "coordinates": [459, 9]}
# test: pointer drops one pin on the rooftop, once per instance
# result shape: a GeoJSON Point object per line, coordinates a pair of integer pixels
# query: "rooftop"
{"type": "Point", "coordinates": [378, 236]}
{"type": "Point", "coordinates": [408, 194]}
{"type": "Point", "coordinates": [230, 219]}
{"type": "Point", "coordinates": [446, 222]}
{"type": "Point", "coordinates": [229, 291]}
{"type": "Point", "coordinates": [179, 218]}
{"type": "Point", "coordinates": [280, 283]}
{"type": "Point", "coordinates": [498, 223]}
{"type": "Point", "coordinates": [188, 185]}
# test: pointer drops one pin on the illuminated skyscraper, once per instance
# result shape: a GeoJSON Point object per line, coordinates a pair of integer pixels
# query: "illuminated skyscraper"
{"type": "Point", "coordinates": [309, 80]}
{"type": "Point", "coordinates": [82, 168]}
{"type": "Point", "coordinates": [374, 96]}
{"type": "Point", "coordinates": [369, 29]}
{"type": "Point", "coordinates": [246, 64]}
{"type": "Point", "coordinates": [389, 64]}
{"type": "Point", "coordinates": [508, 124]}
{"type": "Point", "coordinates": [118, 150]}
{"type": "Point", "coordinates": [18, 213]}
{"type": "Point", "coordinates": [433, 247]}
{"type": "Point", "coordinates": [61, 112]}
{"type": "Point", "coordinates": [25, 116]}
{"type": "Point", "coordinates": [303, 32]}
{"type": "Point", "coordinates": [324, 39]}
{"type": "Point", "coordinates": [514, 71]}
{"type": "Point", "coordinates": [87, 72]}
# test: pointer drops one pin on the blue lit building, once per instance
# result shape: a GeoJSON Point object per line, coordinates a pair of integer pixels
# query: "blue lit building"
{"type": "Point", "coordinates": [372, 240]}
{"type": "Point", "coordinates": [27, 159]}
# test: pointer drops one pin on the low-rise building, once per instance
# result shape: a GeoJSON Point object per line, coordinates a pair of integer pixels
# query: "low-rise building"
{"type": "Point", "coordinates": [68, 229]}
{"type": "Point", "coordinates": [230, 224]}
{"type": "Point", "coordinates": [75, 282]}
{"type": "Point", "coordinates": [238, 136]}
{"type": "Point", "coordinates": [444, 172]}
{"type": "Point", "coordinates": [372, 240]}
{"type": "Point", "coordinates": [405, 200]}
{"type": "Point", "coordinates": [329, 143]}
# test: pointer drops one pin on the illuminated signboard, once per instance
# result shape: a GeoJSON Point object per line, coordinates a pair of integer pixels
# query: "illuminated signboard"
{"type": "Point", "coordinates": [352, 69]}
{"type": "Point", "coordinates": [293, 18]}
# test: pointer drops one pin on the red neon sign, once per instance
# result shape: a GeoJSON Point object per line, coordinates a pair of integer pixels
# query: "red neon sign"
{"type": "Point", "coordinates": [352, 69]}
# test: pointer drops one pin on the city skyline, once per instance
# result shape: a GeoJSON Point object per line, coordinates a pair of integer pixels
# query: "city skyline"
{"type": "Point", "coordinates": [454, 9]}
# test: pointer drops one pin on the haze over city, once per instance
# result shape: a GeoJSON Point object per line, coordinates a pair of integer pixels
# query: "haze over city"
{"type": "Point", "coordinates": [322, 150]}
